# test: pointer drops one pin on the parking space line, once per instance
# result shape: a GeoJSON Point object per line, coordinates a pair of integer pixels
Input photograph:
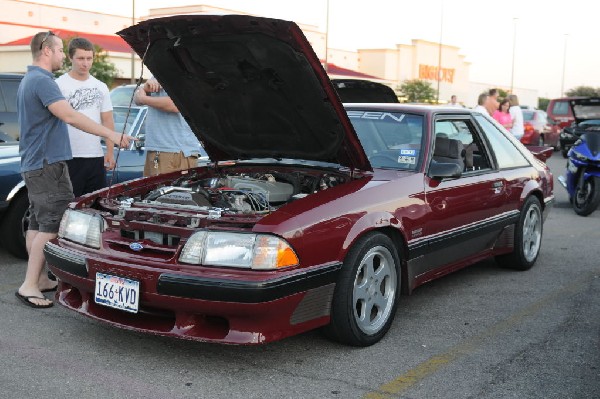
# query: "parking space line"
{"type": "Point", "coordinates": [423, 370]}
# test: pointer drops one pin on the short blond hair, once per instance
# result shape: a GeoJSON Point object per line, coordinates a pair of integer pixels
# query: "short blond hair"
{"type": "Point", "coordinates": [513, 99]}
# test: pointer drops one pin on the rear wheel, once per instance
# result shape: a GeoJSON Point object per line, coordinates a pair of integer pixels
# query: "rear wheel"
{"type": "Point", "coordinates": [366, 295]}
{"type": "Point", "coordinates": [528, 237]}
{"type": "Point", "coordinates": [587, 197]}
{"type": "Point", "coordinates": [14, 225]}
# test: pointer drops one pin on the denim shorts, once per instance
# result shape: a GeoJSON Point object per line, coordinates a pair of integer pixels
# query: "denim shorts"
{"type": "Point", "coordinates": [50, 191]}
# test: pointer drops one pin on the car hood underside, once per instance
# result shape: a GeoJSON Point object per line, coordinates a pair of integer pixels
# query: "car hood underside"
{"type": "Point", "coordinates": [249, 87]}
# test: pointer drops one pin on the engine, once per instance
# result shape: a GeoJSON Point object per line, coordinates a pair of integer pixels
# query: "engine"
{"type": "Point", "coordinates": [241, 193]}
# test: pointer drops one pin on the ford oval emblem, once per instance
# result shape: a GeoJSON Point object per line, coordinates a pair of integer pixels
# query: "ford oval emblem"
{"type": "Point", "coordinates": [136, 246]}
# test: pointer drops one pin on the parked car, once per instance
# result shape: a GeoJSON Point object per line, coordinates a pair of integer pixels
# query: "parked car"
{"type": "Point", "coordinates": [9, 83]}
{"type": "Point", "coordinates": [309, 215]}
{"type": "Point", "coordinates": [560, 116]}
{"type": "Point", "coordinates": [6, 138]}
{"type": "Point", "coordinates": [122, 95]}
{"type": "Point", "coordinates": [13, 193]}
{"type": "Point", "coordinates": [537, 129]}
{"type": "Point", "coordinates": [363, 91]}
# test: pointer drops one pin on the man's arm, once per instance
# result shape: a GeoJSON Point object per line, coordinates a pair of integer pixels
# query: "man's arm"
{"type": "Point", "coordinates": [62, 110]}
{"type": "Point", "coordinates": [109, 122]}
{"type": "Point", "coordinates": [164, 104]}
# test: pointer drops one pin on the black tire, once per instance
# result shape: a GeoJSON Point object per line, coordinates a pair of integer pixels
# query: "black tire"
{"type": "Point", "coordinates": [366, 295]}
{"type": "Point", "coordinates": [528, 237]}
{"type": "Point", "coordinates": [13, 229]}
{"type": "Point", "coordinates": [564, 152]}
{"type": "Point", "coordinates": [587, 198]}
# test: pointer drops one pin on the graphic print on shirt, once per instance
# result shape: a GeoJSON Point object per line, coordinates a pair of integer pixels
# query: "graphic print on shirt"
{"type": "Point", "coordinates": [85, 97]}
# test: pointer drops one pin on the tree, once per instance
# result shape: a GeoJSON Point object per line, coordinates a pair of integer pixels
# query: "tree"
{"type": "Point", "coordinates": [417, 91]}
{"type": "Point", "coordinates": [102, 69]}
{"type": "Point", "coordinates": [502, 93]}
{"type": "Point", "coordinates": [543, 103]}
{"type": "Point", "coordinates": [583, 91]}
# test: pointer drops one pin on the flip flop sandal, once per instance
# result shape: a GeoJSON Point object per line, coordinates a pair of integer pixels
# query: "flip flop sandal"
{"type": "Point", "coordinates": [26, 301]}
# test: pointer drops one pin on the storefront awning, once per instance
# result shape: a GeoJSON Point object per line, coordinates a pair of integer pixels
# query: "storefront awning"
{"type": "Point", "coordinates": [106, 42]}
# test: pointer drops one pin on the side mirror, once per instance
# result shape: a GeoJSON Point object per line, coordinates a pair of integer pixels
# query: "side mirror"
{"type": "Point", "coordinates": [141, 140]}
{"type": "Point", "coordinates": [440, 170]}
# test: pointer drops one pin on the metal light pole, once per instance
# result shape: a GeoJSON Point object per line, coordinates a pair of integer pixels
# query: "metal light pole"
{"type": "Point", "coordinates": [562, 85]}
{"type": "Point", "coordinates": [439, 69]}
{"type": "Point", "coordinates": [512, 73]}
{"type": "Point", "coordinates": [326, 67]}
{"type": "Point", "coordinates": [132, 52]}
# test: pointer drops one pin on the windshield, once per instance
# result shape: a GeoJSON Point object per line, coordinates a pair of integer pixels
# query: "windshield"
{"type": "Point", "coordinates": [391, 140]}
{"type": "Point", "coordinates": [527, 115]}
{"type": "Point", "coordinates": [124, 123]}
{"type": "Point", "coordinates": [122, 95]}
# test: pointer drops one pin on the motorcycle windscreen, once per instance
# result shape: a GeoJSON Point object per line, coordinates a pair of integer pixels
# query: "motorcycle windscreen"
{"type": "Point", "coordinates": [592, 140]}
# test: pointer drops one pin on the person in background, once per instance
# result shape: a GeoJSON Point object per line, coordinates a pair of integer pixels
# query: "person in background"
{"type": "Point", "coordinates": [89, 96]}
{"type": "Point", "coordinates": [503, 116]}
{"type": "Point", "coordinates": [453, 102]}
{"type": "Point", "coordinates": [518, 130]}
{"type": "Point", "coordinates": [43, 113]}
{"type": "Point", "coordinates": [481, 101]}
{"type": "Point", "coordinates": [492, 103]}
{"type": "Point", "coordinates": [170, 143]}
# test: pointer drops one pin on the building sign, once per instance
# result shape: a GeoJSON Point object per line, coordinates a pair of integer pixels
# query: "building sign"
{"type": "Point", "coordinates": [429, 72]}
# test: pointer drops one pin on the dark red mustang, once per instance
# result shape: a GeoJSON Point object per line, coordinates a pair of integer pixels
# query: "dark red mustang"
{"type": "Point", "coordinates": [311, 214]}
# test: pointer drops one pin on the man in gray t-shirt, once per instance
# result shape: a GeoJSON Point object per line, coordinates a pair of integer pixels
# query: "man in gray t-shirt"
{"type": "Point", "coordinates": [170, 143]}
{"type": "Point", "coordinates": [44, 147]}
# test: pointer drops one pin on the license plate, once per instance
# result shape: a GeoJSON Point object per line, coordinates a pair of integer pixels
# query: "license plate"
{"type": "Point", "coordinates": [117, 292]}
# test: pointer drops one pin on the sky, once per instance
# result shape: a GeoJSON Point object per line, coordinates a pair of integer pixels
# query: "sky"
{"type": "Point", "coordinates": [539, 33]}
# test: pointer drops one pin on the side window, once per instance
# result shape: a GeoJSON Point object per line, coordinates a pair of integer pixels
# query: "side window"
{"type": "Point", "coordinates": [507, 155]}
{"type": "Point", "coordinates": [560, 108]}
{"type": "Point", "coordinates": [457, 141]}
{"type": "Point", "coordinates": [2, 102]}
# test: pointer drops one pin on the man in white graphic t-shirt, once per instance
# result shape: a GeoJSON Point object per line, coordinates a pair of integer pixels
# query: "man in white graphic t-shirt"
{"type": "Point", "coordinates": [89, 96]}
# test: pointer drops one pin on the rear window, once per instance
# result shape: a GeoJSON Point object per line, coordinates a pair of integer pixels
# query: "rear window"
{"type": "Point", "coordinates": [560, 108]}
{"type": "Point", "coordinates": [527, 115]}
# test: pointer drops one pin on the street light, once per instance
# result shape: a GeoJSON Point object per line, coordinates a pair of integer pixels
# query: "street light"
{"type": "Point", "coordinates": [327, 37]}
{"type": "Point", "coordinates": [439, 68]}
{"type": "Point", "coordinates": [562, 85]}
{"type": "Point", "coordinates": [512, 73]}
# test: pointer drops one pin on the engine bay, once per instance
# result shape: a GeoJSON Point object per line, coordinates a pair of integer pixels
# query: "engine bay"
{"type": "Point", "coordinates": [239, 193]}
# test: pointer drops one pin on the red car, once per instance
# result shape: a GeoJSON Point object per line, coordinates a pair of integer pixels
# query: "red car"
{"type": "Point", "coordinates": [561, 116]}
{"type": "Point", "coordinates": [310, 214]}
{"type": "Point", "coordinates": [537, 129]}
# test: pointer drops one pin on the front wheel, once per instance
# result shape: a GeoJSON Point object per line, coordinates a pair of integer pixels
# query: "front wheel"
{"type": "Point", "coordinates": [528, 237]}
{"type": "Point", "coordinates": [14, 226]}
{"type": "Point", "coordinates": [366, 294]}
{"type": "Point", "coordinates": [587, 196]}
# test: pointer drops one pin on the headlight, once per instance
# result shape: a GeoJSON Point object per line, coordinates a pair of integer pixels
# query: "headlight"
{"type": "Point", "coordinates": [249, 251]}
{"type": "Point", "coordinates": [565, 135]}
{"type": "Point", "coordinates": [80, 227]}
{"type": "Point", "coordinates": [579, 156]}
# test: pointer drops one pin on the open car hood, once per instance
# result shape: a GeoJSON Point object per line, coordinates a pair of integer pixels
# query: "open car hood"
{"type": "Point", "coordinates": [249, 87]}
{"type": "Point", "coordinates": [585, 109]}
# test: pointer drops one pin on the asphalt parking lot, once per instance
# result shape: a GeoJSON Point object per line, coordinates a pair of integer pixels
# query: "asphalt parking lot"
{"type": "Point", "coordinates": [484, 332]}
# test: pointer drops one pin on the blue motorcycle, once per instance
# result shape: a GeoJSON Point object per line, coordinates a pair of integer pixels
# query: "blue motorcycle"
{"type": "Point", "coordinates": [582, 178]}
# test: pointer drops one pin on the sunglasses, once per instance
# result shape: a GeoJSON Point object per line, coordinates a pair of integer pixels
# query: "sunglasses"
{"type": "Point", "coordinates": [46, 36]}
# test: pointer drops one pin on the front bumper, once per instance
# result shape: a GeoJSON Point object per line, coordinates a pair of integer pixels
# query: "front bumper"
{"type": "Point", "coordinates": [194, 306]}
